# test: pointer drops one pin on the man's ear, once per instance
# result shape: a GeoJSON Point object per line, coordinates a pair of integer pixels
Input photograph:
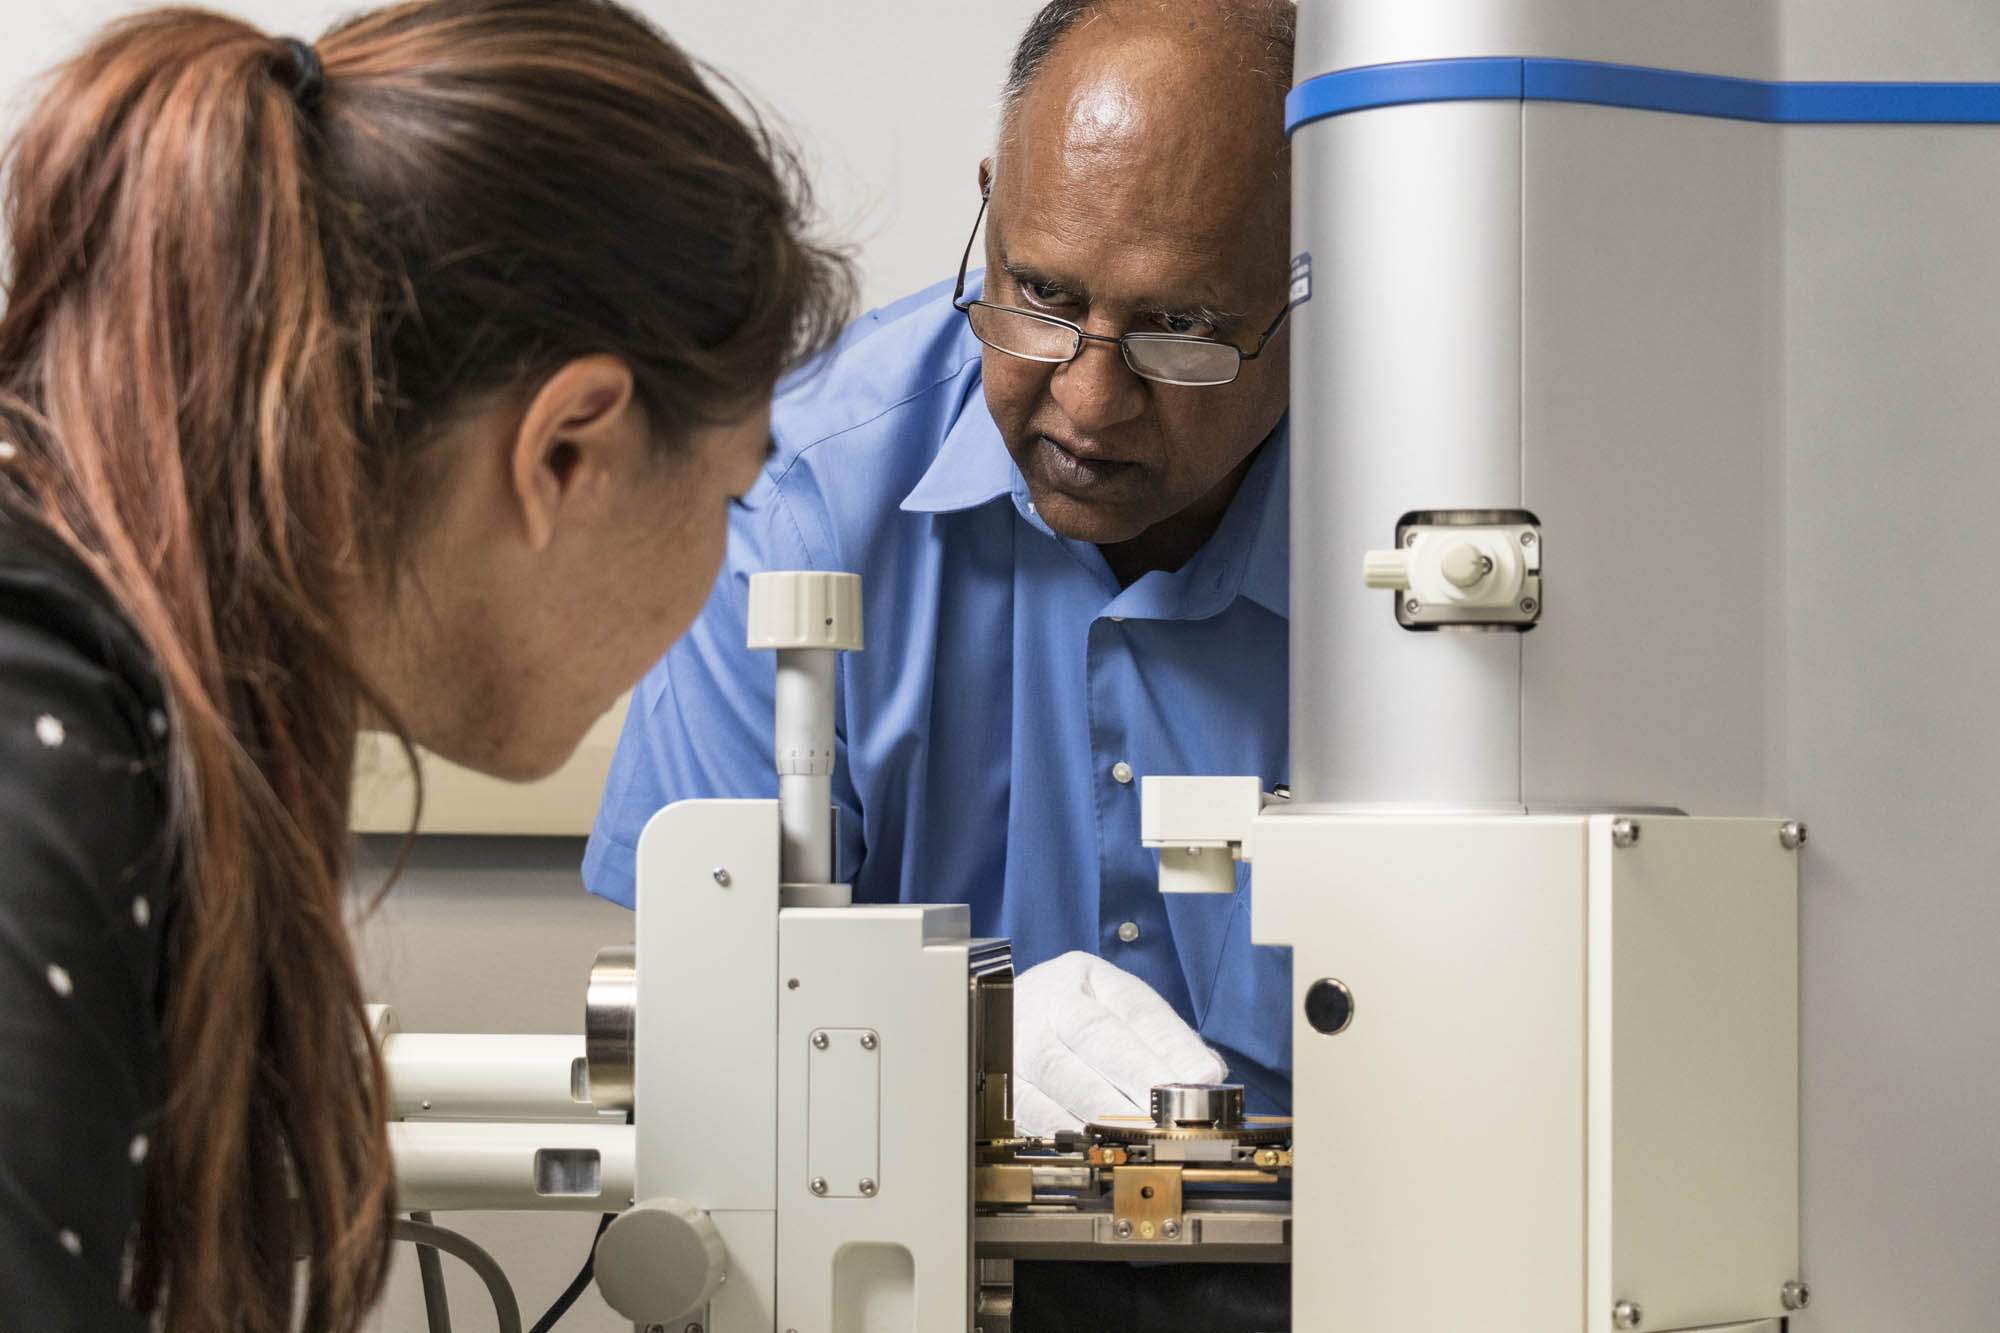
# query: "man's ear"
{"type": "Point", "coordinates": [985, 177]}
{"type": "Point", "coordinates": [571, 441]}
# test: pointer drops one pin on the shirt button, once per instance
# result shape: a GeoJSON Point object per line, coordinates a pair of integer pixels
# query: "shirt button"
{"type": "Point", "coordinates": [1122, 771]}
{"type": "Point", "coordinates": [1129, 932]}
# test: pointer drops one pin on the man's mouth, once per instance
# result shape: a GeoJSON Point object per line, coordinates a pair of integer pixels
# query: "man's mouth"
{"type": "Point", "coordinates": [1072, 470]}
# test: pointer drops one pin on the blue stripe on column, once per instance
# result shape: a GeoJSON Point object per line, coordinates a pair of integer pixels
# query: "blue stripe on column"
{"type": "Point", "coordinates": [1640, 88]}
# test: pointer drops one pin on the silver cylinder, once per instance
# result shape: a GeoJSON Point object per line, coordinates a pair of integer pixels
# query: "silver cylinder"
{"type": "Point", "coordinates": [1204, 1105]}
{"type": "Point", "coordinates": [610, 1026]}
{"type": "Point", "coordinates": [1406, 386]}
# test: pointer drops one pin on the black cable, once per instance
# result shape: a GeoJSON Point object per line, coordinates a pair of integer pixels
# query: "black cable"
{"type": "Point", "coordinates": [505, 1308]}
{"type": "Point", "coordinates": [437, 1305]}
{"type": "Point", "coordinates": [577, 1283]}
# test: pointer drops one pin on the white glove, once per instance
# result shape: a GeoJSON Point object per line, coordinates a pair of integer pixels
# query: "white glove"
{"type": "Point", "coordinates": [1091, 1040]}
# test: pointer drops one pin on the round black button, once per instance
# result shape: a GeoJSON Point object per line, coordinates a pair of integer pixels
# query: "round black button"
{"type": "Point", "coordinates": [1329, 1006]}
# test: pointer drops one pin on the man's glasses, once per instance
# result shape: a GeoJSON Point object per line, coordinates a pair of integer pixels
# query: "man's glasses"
{"type": "Point", "coordinates": [1164, 358]}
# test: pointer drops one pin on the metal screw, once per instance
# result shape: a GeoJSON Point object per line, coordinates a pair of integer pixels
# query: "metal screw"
{"type": "Point", "coordinates": [1171, 1228]}
{"type": "Point", "coordinates": [721, 876]}
{"type": "Point", "coordinates": [1795, 1295]}
{"type": "Point", "coordinates": [426, 1103]}
{"type": "Point", "coordinates": [867, 1041]}
{"type": "Point", "coordinates": [1791, 835]}
{"type": "Point", "coordinates": [1527, 539]}
{"type": "Point", "coordinates": [818, 1185]}
{"type": "Point", "coordinates": [867, 1188]}
{"type": "Point", "coordinates": [1124, 1230]}
{"type": "Point", "coordinates": [1626, 1314]}
{"type": "Point", "coordinates": [792, 984]}
{"type": "Point", "coordinates": [1527, 606]}
{"type": "Point", "coordinates": [1410, 538]}
{"type": "Point", "coordinates": [1624, 832]}
{"type": "Point", "coordinates": [1413, 606]}
{"type": "Point", "coordinates": [819, 1041]}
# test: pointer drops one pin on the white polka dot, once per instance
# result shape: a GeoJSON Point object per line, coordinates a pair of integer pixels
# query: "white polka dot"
{"type": "Point", "coordinates": [7, 451]}
{"type": "Point", "coordinates": [70, 1241]}
{"type": "Point", "coordinates": [49, 730]}
{"type": "Point", "coordinates": [59, 980]}
{"type": "Point", "coordinates": [142, 911]}
{"type": "Point", "coordinates": [141, 1145]}
{"type": "Point", "coordinates": [157, 720]}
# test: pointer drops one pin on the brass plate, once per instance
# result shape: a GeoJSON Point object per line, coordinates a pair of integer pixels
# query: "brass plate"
{"type": "Point", "coordinates": [1147, 1197]}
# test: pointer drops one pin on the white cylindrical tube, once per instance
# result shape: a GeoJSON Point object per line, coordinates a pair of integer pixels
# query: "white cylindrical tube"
{"type": "Point", "coordinates": [450, 1166]}
{"type": "Point", "coordinates": [804, 755]}
{"type": "Point", "coordinates": [488, 1076]}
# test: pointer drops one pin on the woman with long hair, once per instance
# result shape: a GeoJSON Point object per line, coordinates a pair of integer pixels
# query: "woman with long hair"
{"type": "Point", "coordinates": [399, 379]}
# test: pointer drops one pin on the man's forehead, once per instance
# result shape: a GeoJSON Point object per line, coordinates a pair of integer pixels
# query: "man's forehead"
{"type": "Point", "coordinates": [1137, 265]}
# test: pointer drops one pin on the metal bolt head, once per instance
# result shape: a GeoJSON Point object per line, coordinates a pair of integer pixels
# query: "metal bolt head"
{"type": "Point", "coordinates": [867, 1041]}
{"type": "Point", "coordinates": [1791, 835]}
{"type": "Point", "coordinates": [819, 1041]}
{"type": "Point", "coordinates": [721, 876]}
{"type": "Point", "coordinates": [1123, 1229]}
{"type": "Point", "coordinates": [1624, 832]}
{"type": "Point", "coordinates": [426, 1103]}
{"type": "Point", "coordinates": [1527, 606]}
{"type": "Point", "coordinates": [1410, 538]}
{"type": "Point", "coordinates": [1171, 1228]}
{"type": "Point", "coordinates": [867, 1187]}
{"type": "Point", "coordinates": [818, 1185]}
{"type": "Point", "coordinates": [1626, 1314]}
{"type": "Point", "coordinates": [1413, 606]}
{"type": "Point", "coordinates": [1527, 539]}
{"type": "Point", "coordinates": [1795, 1295]}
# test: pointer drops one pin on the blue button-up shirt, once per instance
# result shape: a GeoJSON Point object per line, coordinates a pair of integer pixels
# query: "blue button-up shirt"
{"type": "Point", "coordinates": [1011, 694]}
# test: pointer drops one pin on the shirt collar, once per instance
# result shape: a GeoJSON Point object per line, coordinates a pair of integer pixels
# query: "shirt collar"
{"type": "Point", "coordinates": [1249, 554]}
{"type": "Point", "coordinates": [972, 464]}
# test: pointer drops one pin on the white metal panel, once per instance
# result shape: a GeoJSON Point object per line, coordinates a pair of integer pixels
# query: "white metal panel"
{"type": "Point", "coordinates": [1440, 1151]}
{"type": "Point", "coordinates": [1650, 429]}
{"type": "Point", "coordinates": [1713, 36]}
{"type": "Point", "coordinates": [1694, 1180]}
{"type": "Point", "coordinates": [705, 1063]}
{"type": "Point", "coordinates": [1913, 40]}
{"type": "Point", "coordinates": [1893, 738]}
{"type": "Point", "coordinates": [747, 1300]}
{"type": "Point", "coordinates": [844, 1110]}
{"type": "Point", "coordinates": [1405, 395]}
{"type": "Point", "coordinates": [902, 972]}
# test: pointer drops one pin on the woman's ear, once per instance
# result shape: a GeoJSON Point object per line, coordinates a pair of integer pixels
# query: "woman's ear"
{"type": "Point", "coordinates": [573, 443]}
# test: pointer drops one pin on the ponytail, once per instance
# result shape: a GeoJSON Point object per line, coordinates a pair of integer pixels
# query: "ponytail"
{"type": "Point", "coordinates": [177, 346]}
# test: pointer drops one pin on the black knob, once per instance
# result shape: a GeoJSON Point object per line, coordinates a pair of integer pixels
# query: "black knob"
{"type": "Point", "coordinates": [1329, 1006]}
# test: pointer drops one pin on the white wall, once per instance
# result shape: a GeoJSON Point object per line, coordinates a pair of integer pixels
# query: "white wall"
{"type": "Point", "coordinates": [892, 102]}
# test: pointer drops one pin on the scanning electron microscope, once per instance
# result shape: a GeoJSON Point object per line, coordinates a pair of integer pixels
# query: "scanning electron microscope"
{"type": "Point", "coordinates": [1540, 893]}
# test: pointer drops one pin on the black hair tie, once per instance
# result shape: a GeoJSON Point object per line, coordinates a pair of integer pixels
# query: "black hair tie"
{"type": "Point", "coordinates": [308, 79]}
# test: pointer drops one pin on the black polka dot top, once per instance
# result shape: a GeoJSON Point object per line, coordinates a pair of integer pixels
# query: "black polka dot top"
{"type": "Point", "coordinates": [85, 881]}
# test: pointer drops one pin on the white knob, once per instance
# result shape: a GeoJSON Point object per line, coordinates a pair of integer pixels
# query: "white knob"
{"type": "Point", "coordinates": [1464, 565]}
{"type": "Point", "coordinates": [805, 609]}
{"type": "Point", "coordinates": [659, 1260]}
{"type": "Point", "coordinates": [1386, 569]}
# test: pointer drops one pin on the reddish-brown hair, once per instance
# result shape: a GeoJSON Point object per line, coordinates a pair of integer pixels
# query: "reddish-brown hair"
{"type": "Point", "coordinates": [235, 318]}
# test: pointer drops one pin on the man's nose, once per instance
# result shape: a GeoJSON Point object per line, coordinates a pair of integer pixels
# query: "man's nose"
{"type": "Point", "coordinates": [1097, 389]}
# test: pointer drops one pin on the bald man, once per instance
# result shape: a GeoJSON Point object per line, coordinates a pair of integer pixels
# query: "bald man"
{"type": "Point", "coordinates": [1063, 480]}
